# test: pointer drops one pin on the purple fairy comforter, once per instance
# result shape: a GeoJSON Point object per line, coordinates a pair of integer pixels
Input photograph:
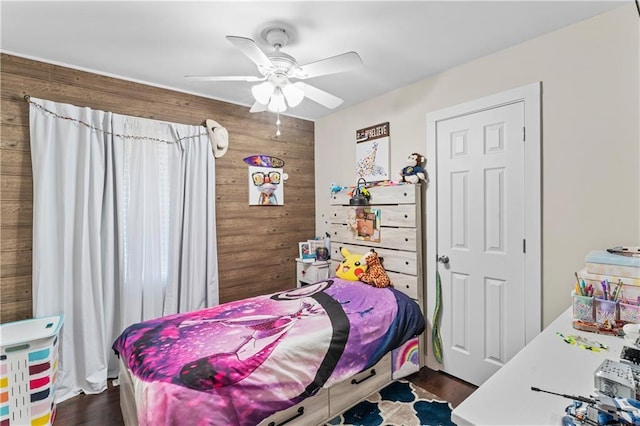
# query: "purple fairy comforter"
{"type": "Point", "coordinates": [242, 361]}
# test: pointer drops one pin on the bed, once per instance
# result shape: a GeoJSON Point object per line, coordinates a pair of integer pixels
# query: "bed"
{"type": "Point", "coordinates": [299, 356]}
{"type": "Point", "coordinates": [240, 362]}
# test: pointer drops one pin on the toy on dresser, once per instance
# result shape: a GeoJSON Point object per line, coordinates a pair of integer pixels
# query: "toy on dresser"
{"type": "Point", "coordinates": [414, 171]}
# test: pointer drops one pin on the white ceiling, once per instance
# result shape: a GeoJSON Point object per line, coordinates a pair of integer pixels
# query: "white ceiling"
{"type": "Point", "coordinates": [160, 42]}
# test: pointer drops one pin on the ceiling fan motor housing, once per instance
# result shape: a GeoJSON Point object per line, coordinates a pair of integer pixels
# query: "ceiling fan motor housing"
{"type": "Point", "coordinates": [283, 63]}
{"type": "Point", "coordinates": [276, 37]}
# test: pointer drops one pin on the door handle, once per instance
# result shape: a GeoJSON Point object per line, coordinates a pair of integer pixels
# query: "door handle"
{"type": "Point", "coordinates": [444, 259]}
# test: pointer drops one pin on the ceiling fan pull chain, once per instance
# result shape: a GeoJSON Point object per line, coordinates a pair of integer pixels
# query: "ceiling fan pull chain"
{"type": "Point", "coordinates": [278, 124]}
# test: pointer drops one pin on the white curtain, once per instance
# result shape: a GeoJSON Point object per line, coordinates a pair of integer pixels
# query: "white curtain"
{"type": "Point", "coordinates": [123, 229]}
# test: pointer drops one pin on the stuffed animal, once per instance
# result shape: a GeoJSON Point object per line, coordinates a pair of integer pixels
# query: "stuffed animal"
{"type": "Point", "coordinates": [414, 172]}
{"type": "Point", "coordinates": [335, 188]}
{"type": "Point", "coordinates": [351, 266]}
{"type": "Point", "coordinates": [375, 274]}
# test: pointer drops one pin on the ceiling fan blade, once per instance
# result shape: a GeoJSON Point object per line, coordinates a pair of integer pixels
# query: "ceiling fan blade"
{"type": "Point", "coordinates": [332, 65]}
{"type": "Point", "coordinates": [320, 96]}
{"type": "Point", "coordinates": [258, 107]}
{"type": "Point", "coordinates": [225, 78]}
{"type": "Point", "coordinates": [252, 50]}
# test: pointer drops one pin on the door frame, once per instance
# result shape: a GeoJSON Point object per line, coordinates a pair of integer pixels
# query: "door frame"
{"type": "Point", "coordinates": [531, 96]}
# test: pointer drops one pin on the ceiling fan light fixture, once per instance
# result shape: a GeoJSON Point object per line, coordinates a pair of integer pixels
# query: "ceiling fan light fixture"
{"type": "Point", "coordinates": [293, 94]}
{"type": "Point", "coordinates": [262, 92]}
{"type": "Point", "coordinates": [274, 91]}
{"type": "Point", "coordinates": [277, 103]}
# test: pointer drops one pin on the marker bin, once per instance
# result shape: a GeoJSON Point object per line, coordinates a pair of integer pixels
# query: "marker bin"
{"type": "Point", "coordinates": [583, 308]}
{"type": "Point", "coordinates": [606, 312]}
{"type": "Point", "coordinates": [629, 313]}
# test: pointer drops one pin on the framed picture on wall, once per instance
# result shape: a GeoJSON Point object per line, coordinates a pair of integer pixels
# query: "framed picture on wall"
{"type": "Point", "coordinates": [265, 186]}
{"type": "Point", "coordinates": [372, 153]}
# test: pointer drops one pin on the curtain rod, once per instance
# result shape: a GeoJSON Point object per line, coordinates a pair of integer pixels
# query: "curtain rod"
{"type": "Point", "coordinates": [27, 98]}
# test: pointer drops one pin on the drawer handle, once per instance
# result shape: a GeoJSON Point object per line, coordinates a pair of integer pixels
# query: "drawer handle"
{"type": "Point", "coordinates": [357, 382]}
{"type": "Point", "coordinates": [295, 416]}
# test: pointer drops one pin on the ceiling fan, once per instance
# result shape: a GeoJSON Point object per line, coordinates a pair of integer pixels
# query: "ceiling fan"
{"type": "Point", "coordinates": [276, 90]}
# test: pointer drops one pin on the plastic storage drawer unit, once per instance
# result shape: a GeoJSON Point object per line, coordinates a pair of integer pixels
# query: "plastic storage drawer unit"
{"type": "Point", "coordinates": [28, 371]}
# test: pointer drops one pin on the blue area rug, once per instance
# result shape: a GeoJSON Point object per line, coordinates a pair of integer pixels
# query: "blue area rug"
{"type": "Point", "coordinates": [400, 403]}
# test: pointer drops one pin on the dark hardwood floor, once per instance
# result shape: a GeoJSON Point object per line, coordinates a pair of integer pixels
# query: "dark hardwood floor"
{"type": "Point", "coordinates": [104, 409]}
{"type": "Point", "coordinates": [101, 409]}
{"type": "Point", "coordinates": [445, 386]}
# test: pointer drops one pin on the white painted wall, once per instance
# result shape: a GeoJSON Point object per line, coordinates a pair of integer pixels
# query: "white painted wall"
{"type": "Point", "coordinates": [590, 74]}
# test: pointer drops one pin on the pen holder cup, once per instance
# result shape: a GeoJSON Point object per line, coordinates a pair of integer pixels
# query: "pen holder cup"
{"type": "Point", "coordinates": [630, 313]}
{"type": "Point", "coordinates": [606, 312]}
{"type": "Point", "coordinates": [583, 308]}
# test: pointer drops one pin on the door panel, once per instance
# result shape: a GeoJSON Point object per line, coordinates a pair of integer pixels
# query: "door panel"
{"type": "Point", "coordinates": [459, 316]}
{"type": "Point", "coordinates": [480, 205]}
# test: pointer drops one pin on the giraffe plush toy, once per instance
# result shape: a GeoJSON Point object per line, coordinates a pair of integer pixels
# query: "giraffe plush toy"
{"type": "Point", "coordinates": [375, 274]}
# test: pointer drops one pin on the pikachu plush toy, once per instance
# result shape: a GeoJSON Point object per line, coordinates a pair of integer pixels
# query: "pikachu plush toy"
{"type": "Point", "coordinates": [351, 267]}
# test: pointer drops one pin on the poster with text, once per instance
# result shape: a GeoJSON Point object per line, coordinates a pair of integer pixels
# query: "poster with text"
{"type": "Point", "coordinates": [372, 153]}
{"type": "Point", "coordinates": [265, 186]}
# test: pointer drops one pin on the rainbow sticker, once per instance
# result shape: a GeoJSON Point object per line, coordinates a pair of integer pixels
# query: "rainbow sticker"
{"type": "Point", "coordinates": [405, 360]}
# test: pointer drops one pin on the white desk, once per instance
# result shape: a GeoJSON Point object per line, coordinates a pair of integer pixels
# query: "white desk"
{"type": "Point", "coordinates": [549, 363]}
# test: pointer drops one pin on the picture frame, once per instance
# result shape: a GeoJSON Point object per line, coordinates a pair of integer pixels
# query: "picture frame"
{"type": "Point", "coordinates": [265, 186]}
{"type": "Point", "coordinates": [367, 224]}
{"type": "Point", "coordinates": [372, 153]}
{"type": "Point", "coordinates": [304, 251]}
{"type": "Point", "coordinates": [313, 246]}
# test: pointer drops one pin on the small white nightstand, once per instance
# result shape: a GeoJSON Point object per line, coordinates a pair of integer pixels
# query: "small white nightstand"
{"type": "Point", "coordinates": [311, 272]}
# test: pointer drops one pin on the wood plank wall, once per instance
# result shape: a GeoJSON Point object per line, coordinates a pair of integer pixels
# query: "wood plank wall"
{"type": "Point", "coordinates": [256, 245]}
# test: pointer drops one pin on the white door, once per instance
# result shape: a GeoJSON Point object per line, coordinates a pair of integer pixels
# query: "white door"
{"type": "Point", "coordinates": [480, 208]}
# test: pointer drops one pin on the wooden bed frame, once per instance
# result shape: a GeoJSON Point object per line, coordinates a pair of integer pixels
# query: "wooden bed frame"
{"type": "Point", "coordinates": [401, 248]}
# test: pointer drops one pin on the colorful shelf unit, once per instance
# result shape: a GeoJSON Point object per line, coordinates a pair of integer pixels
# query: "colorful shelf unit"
{"type": "Point", "coordinates": [28, 371]}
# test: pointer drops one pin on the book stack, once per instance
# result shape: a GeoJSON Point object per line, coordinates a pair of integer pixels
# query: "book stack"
{"type": "Point", "coordinates": [605, 263]}
{"type": "Point", "coordinates": [614, 269]}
